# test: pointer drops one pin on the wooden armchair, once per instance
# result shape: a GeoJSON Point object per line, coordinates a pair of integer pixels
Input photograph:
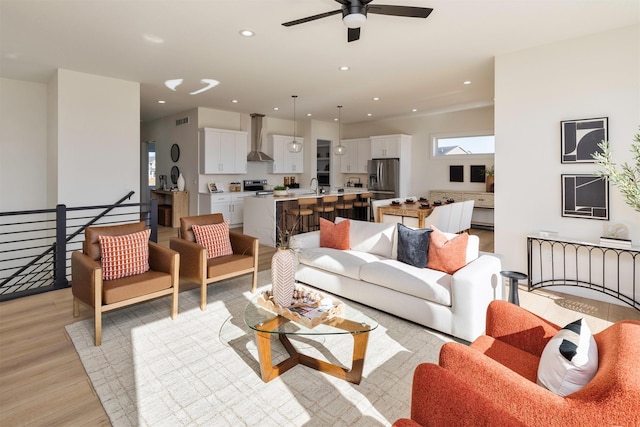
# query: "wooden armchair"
{"type": "Point", "coordinates": [493, 381]}
{"type": "Point", "coordinates": [195, 266]}
{"type": "Point", "coordinates": [90, 288]}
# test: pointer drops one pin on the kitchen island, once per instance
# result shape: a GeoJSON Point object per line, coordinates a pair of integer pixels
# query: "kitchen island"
{"type": "Point", "coordinates": [262, 214]}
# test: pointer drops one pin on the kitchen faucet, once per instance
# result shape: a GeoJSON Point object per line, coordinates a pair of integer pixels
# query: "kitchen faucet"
{"type": "Point", "coordinates": [317, 186]}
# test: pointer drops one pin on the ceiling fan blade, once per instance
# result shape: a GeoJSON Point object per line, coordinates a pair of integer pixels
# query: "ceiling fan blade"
{"type": "Point", "coordinates": [408, 11]}
{"type": "Point", "coordinates": [312, 18]}
{"type": "Point", "coordinates": [353, 34]}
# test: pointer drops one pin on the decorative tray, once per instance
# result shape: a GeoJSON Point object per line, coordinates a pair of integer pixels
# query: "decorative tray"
{"type": "Point", "coordinates": [309, 308]}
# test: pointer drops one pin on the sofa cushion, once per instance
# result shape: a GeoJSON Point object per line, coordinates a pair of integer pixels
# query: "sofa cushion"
{"type": "Point", "coordinates": [126, 255]}
{"type": "Point", "coordinates": [448, 255]}
{"type": "Point", "coordinates": [569, 360]}
{"type": "Point", "coordinates": [423, 283]}
{"type": "Point", "coordinates": [334, 236]}
{"type": "Point", "coordinates": [372, 237]}
{"type": "Point", "coordinates": [413, 245]}
{"type": "Point", "coordinates": [215, 238]}
{"type": "Point", "coordinates": [344, 263]}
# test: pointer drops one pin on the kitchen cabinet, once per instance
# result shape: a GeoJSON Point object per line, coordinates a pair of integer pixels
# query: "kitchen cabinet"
{"type": "Point", "coordinates": [231, 206]}
{"type": "Point", "coordinates": [357, 155]}
{"type": "Point", "coordinates": [390, 146]}
{"type": "Point", "coordinates": [223, 151]}
{"type": "Point", "coordinates": [284, 161]}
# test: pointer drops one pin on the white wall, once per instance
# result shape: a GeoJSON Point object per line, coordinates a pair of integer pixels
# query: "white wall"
{"type": "Point", "coordinates": [594, 76]}
{"type": "Point", "coordinates": [428, 173]}
{"type": "Point", "coordinates": [23, 145]}
{"type": "Point", "coordinates": [98, 138]}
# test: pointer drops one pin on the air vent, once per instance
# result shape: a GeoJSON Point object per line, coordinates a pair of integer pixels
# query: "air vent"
{"type": "Point", "coordinates": [183, 121]}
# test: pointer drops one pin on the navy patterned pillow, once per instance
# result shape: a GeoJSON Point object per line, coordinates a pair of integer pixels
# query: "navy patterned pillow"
{"type": "Point", "coordinates": [413, 245]}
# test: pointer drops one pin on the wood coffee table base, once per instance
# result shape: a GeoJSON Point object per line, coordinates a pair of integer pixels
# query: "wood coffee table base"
{"type": "Point", "coordinates": [269, 372]}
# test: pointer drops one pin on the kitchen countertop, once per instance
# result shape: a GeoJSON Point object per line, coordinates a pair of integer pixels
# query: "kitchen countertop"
{"type": "Point", "coordinates": [296, 193]}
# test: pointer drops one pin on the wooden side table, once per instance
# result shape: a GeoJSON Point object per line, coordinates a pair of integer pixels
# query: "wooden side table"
{"type": "Point", "coordinates": [179, 201]}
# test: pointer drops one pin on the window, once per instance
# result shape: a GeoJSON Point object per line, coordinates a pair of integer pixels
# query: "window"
{"type": "Point", "coordinates": [464, 145]}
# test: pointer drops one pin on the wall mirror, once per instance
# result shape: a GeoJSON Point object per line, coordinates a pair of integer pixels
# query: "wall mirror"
{"type": "Point", "coordinates": [175, 173]}
{"type": "Point", "coordinates": [175, 152]}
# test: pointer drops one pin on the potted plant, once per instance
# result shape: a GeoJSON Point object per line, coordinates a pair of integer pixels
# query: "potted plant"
{"type": "Point", "coordinates": [627, 178]}
{"type": "Point", "coordinates": [280, 190]}
{"type": "Point", "coordinates": [489, 178]}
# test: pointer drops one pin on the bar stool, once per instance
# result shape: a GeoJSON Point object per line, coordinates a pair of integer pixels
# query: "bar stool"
{"type": "Point", "coordinates": [302, 211]}
{"type": "Point", "coordinates": [363, 203]}
{"type": "Point", "coordinates": [327, 209]}
{"type": "Point", "coordinates": [346, 205]}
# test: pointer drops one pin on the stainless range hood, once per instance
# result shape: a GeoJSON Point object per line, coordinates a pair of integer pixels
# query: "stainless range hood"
{"type": "Point", "coordinates": [256, 154]}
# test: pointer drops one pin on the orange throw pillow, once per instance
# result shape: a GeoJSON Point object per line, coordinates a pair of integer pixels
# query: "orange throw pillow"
{"type": "Point", "coordinates": [447, 255]}
{"type": "Point", "coordinates": [125, 255]}
{"type": "Point", "coordinates": [215, 238]}
{"type": "Point", "coordinates": [334, 236]}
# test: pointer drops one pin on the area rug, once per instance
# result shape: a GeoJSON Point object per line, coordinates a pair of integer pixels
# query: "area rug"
{"type": "Point", "coordinates": [202, 368]}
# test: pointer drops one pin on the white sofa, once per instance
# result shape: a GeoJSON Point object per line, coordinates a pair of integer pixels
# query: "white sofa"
{"type": "Point", "coordinates": [369, 273]}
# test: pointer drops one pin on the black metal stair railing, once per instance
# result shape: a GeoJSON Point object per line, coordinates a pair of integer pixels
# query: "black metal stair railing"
{"type": "Point", "coordinates": [36, 245]}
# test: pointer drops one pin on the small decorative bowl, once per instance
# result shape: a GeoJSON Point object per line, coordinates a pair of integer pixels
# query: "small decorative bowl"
{"type": "Point", "coordinates": [423, 199]}
{"type": "Point", "coordinates": [437, 203]}
{"type": "Point", "coordinates": [425, 205]}
{"type": "Point", "coordinates": [395, 202]}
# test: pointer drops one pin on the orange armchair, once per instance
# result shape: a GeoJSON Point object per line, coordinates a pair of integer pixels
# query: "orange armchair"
{"type": "Point", "coordinates": [195, 266]}
{"type": "Point", "coordinates": [493, 381]}
{"type": "Point", "coordinates": [90, 288]}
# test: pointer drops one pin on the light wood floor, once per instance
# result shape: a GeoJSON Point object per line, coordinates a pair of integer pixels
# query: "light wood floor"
{"type": "Point", "coordinates": [43, 382]}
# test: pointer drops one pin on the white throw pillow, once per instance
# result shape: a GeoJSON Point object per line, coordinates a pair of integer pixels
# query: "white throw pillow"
{"type": "Point", "coordinates": [372, 237]}
{"type": "Point", "coordinates": [569, 360]}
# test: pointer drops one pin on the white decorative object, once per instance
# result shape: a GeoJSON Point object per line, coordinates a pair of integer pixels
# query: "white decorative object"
{"type": "Point", "coordinates": [180, 183]}
{"type": "Point", "coordinates": [283, 272]}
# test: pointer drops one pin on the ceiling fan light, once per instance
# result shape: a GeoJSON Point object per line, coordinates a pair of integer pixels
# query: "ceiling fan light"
{"type": "Point", "coordinates": [354, 20]}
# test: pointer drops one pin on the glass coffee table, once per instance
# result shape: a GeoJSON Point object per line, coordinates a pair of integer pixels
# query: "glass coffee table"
{"type": "Point", "coordinates": [266, 324]}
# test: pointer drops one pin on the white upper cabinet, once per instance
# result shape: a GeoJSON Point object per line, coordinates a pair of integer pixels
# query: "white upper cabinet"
{"type": "Point", "coordinates": [284, 161]}
{"type": "Point", "coordinates": [390, 146]}
{"type": "Point", "coordinates": [223, 151]}
{"type": "Point", "coordinates": [357, 155]}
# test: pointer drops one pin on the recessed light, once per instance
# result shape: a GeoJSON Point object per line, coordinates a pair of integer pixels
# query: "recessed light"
{"type": "Point", "coordinates": [467, 82]}
{"type": "Point", "coordinates": [235, 101]}
{"type": "Point", "coordinates": [414, 110]}
{"type": "Point", "coordinates": [375, 98]}
{"type": "Point", "coordinates": [369, 114]}
{"type": "Point", "coordinates": [308, 114]}
{"type": "Point", "coordinates": [161, 102]}
{"type": "Point", "coordinates": [247, 33]}
{"type": "Point", "coordinates": [344, 68]}
{"type": "Point", "coordinates": [276, 109]}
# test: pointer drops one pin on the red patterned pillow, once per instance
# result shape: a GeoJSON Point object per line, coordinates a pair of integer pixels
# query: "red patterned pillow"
{"type": "Point", "coordinates": [215, 238]}
{"type": "Point", "coordinates": [447, 255]}
{"type": "Point", "coordinates": [125, 255]}
{"type": "Point", "coordinates": [334, 236]}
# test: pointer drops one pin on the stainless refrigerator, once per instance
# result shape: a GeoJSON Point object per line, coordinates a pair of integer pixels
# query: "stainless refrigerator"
{"type": "Point", "coordinates": [384, 178]}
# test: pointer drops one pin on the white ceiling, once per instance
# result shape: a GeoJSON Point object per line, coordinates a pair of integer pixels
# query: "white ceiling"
{"type": "Point", "coordinates": [406, 62]}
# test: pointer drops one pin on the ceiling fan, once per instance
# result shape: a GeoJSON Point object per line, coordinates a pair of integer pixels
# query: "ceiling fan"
{"type": "Point", "coordinates": [354, 14]}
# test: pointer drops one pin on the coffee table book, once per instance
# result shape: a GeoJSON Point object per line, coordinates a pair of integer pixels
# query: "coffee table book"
{"type": "Point", "coordinates": [309, 314]}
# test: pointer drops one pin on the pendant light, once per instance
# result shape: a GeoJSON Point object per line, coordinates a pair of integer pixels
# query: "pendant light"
{"type": "Point", "coordinates": [294, 146]}
{"type": "Point", "coordinates": [340, 149]}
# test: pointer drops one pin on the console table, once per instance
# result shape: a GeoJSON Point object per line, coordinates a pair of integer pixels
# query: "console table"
{"type": "Point", "coordinates": [179, 201]}
{"type": "Point", "coordinates": [556, 261]}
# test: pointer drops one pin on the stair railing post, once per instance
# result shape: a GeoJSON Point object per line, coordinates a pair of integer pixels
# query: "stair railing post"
{"type": "Point", "coordinates": [60, 252]}
{"type": "Point", "coordinates": [153, 220]}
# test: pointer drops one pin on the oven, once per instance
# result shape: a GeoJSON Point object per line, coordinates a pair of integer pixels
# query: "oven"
{"type": "Point", "coordinates": [257, 185]}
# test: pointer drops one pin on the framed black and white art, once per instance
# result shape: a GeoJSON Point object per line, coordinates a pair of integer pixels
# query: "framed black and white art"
{"type": "Point", "coordinates": [580, 139]}
{"type": "Point", "coordinates": [585, 196]}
